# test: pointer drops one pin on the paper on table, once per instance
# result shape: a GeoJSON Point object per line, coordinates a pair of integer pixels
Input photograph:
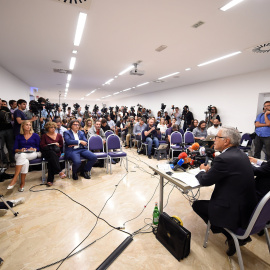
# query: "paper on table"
{"type": "Point", "coordinates": [165, 167]}
{"type": "Point", "coordinates": [187, 178]}
{"type": "Point", "coordinates": [194, 171]}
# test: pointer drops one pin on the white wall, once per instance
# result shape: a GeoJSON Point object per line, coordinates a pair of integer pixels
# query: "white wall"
{"type": "Point", "coordinates": [236, 98]}
{"type": "Point", "coordinates": [11, 87]}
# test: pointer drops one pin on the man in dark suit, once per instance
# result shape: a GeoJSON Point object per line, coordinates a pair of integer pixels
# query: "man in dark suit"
{"type": "Point", "coordinates": [75, 149]}
{"type": "Point", "coordinates": [262, 180]}
{"type": "Point", "coordinates": [233, 199]}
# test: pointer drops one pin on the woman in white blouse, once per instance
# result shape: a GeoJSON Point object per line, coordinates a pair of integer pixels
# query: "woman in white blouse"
{"type": "Point", "coordinates": [162, 127]}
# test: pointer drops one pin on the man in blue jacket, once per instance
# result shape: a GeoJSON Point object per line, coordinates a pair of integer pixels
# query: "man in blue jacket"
{"type": "Point", "coordinates": [76, 148]}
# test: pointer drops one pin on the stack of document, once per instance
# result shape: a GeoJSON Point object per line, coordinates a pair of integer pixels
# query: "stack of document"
{"type": "Point", "coordinates": [187, 178]}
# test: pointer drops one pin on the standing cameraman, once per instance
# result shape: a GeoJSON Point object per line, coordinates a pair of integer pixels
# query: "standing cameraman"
{"type": "Point", "coordinates": [6, 136]}
{"type": "Point", "coordinates": [187, 116]}
{"type": "Point", "coordinates": [86, 114]}
{"type": "Point", "coordinates": [151, 135]}
{"type": "Point", "coordinates": [32, 112]}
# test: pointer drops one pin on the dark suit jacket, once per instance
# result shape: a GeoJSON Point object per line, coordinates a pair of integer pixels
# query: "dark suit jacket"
{"type": "Point", "coordinates": [262, 180]}
{"type": "Point", "coordinates": [70, 140]}
{"type": "Point", "coordinates": [233, 199]}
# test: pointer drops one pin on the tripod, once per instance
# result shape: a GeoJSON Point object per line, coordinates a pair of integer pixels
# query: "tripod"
{"type": "Point", "coordinates": [14, 213]}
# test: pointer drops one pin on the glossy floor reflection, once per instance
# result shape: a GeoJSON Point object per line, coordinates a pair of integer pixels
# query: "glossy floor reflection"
{"type": "Point", "coordinates": [50, 225]}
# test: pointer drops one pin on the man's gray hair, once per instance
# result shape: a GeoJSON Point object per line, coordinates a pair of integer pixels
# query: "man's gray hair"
{"type": "Point", "coordinates": [233, 134]}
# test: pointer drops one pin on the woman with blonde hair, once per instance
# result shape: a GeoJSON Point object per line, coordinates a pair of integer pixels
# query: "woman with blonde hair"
{"type": "Point", "coordinates": [26, 147]}
{"type": "Point", "coordinates": [88, 124]}
{"type": "Point", "coordinates": [51, 144]}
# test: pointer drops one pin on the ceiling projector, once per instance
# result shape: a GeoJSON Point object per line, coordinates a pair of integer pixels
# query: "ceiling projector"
{"type": "Point", "coordinates": [136, 72]}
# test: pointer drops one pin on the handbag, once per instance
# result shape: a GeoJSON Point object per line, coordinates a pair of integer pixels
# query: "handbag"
{"type": "Point", "coordinates": [174, 237]}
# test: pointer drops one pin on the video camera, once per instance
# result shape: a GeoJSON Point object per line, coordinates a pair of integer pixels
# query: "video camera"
{"type": "Point", "coordinates": [139, 107]}
{"type": "Point", "coordinates": [86, 107]}
{"type": "Point", "coordinates": [64, 106]}
{"type": "Point", "coordinates": [5, 117]}
{"type": "Point", "coordinates": [76, 106]}
{"type": "Point", "coordinates": [95, 109]}
{"type": "Point", "coordinates": [35, 107]}
{"type": "Point", "coordinates": [172, 107]}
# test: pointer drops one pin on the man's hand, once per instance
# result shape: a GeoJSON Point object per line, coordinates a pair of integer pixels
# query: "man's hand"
{"type": "Point", "coordinates": [83, 143]}
{"type": "Point", "coordinates": [203, 167]}
{"type": "Point", "coordinates": [267, 112]}
{"type": "Point", "coordinates": [253, 160]}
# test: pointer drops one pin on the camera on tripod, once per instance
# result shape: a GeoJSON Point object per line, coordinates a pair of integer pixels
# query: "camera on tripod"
{"type": "Point", "coordinates": [86, 107]}
{"type": "Point", "coordinates": [172, 107]}
{"type": "Point", "coordinates": [35, 107]}
{"type": "Point", "coordinates": [95, 109]}
{"type": "Point", "coordinates": [64, 106]}
{"type": "Point", "coordinates": [76, 106]}
{"type": "Point", "coordinates": [139, 107]}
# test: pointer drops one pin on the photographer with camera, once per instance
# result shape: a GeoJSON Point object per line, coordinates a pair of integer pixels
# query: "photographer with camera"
{"type": "Point", "coordinates": [211, 115]}
{"type": "Point", "coordinates": [150, 135]}
{"type": "Point", "coordinates": [86, 114]}
{"type": "Point", "coordinates": [6, 136]}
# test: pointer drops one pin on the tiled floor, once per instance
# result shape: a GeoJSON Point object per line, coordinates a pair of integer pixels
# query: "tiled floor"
{"type": "Point", "coordinates": [50, 225]}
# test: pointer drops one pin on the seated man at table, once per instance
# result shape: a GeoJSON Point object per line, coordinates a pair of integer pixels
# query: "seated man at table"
{"type": "Point", "coordinates": [76, 148]}
{"type": "Point", "coordinates": [233, 199]}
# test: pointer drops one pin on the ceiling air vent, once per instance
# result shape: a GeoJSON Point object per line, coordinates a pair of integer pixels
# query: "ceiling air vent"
{"type": "Point", "coordinates": [63, 71]}
{"type": "Point", "coordinates": [198, 24]}
{"type": "Point", "coordinates": [76, 3]}
{"type": "Point", "coordinates": [264, 48]}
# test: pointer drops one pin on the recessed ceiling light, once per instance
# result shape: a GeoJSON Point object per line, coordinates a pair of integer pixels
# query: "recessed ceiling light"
{"type": "Point", "coordinates": [230, 4]}
{"type": "Point", "coordinates": [139, 85]}
{"type": "Point", "coordinates": [109, 81]}
{"type": "Point", "coordinates": [158, 81]}
{"type": "Point", "coordinates": [66, 90]}
{"type": "Point", "coordinates": [67, 85]}
{"type": "Point", "coordinates": [80, 27]}
{"type": "Point", "coordinates": [72, 62]}
{"type": "Point", "coordinates": [187, 69]}
{"type": "Point", "coordinates": [218, 59]}
{"type": "Point", "coordinates": [168, 75]}
{"type": "Point", "coordinates": [127, 89]}
{"type": "Point", "coordinates": [69, 77]}
{"type": "Point", "coordinates": [75, 51]}
{"type": "Point", "coordinates": [116, 93]}
{"type": "Point", "coordinates": [82, 98]}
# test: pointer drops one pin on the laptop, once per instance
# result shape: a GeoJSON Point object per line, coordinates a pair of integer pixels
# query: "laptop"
{"type": "Point", "coordinates": [209, 138]}
{"type": "Point", "coordinates": [162, 146]}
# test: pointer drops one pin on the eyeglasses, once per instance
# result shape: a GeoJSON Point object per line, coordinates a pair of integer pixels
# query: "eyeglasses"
{"type": "Point", "coordinates": [75, 125]}
{"type": "Point", "coordinates": [219, 137]}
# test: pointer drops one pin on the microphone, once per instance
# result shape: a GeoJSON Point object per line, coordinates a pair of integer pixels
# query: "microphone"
{"type": "Point", "coordinates": [182, 155]}
{"type": "Point", "coordinates": [194, 147]}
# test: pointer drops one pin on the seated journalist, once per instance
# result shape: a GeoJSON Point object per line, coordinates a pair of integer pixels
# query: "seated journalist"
{"type": "Point", "coordinates": [233, 199]}
{"type": "Point", "coordinates": [26, 147]}
{"type": "Point", "coordinates": [76, 148]}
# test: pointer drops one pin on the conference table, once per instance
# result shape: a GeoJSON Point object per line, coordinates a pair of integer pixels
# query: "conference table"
{"type": "Point", "coordinates": [163, 175]}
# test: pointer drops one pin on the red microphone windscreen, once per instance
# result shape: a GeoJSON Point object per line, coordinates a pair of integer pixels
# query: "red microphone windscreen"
{"type": "Point", "coordinates": [182, 155]}
{"type": "Point", "coordinates": [195, 146]}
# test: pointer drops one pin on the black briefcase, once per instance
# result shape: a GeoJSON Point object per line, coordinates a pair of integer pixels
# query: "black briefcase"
{"type": "Point", "coordinates": [173, 236]}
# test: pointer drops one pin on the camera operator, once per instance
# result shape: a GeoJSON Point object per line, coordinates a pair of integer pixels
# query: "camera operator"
{"type": "Point", "coordinates": [13, 106]}
{"type": "Point", "coordinates": [151, 135]}
{"type": "Point", "coordinates": [177, 115]}
{"type": "Point", "coordinates": [33, 112]}
{"type": "Point", "coordinates": [132, 111]}
{"type": "Point", "coordinates": [69, 113]}
{"type": "Point", "coordinates": [79, 112]}
{"type": "Point", "coordinates": [86, 114]}
{"type": "Point", "coordinates": [6, 136]}
{"type": "Point", "coordinates": [59, 112]}
{"type": "Point", "coordinates": [187, 116]}
{"type": "Point", "coordinates": [212, 115]}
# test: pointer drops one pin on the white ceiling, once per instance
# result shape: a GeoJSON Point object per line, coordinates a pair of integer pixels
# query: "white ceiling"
{"type": "Point", "coordinates": [121, 32]}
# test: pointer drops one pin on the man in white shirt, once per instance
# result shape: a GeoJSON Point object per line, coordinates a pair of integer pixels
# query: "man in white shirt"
{"type": "Point", "coordinates": [213, 130]}
{"type": "Point", "coordinates": [59, 128]}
